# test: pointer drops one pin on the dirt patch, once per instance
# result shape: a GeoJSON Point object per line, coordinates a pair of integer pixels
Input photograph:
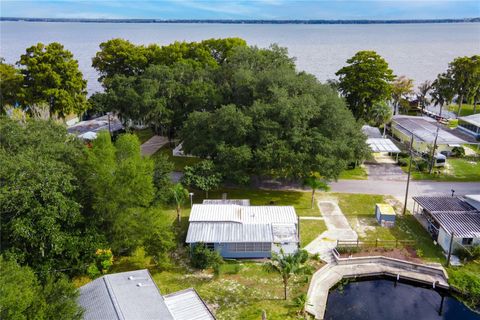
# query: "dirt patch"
{"type": "Point", "coordinates": [362, 225]}
{"type": "Point", "coordinates": [408, 253]}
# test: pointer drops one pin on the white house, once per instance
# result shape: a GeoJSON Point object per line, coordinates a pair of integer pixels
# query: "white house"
{"type": "Point", "coordinates": [243, 231]}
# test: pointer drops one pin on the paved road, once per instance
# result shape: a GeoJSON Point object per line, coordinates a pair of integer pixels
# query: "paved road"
{"type": "Point", "coordinates": [397, 188]}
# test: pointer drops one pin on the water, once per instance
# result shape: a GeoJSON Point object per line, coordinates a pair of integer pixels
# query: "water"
{"type": "Point", "coordinates": [419, 51]}
{"type": "Point", "coordinates": [379, 300]}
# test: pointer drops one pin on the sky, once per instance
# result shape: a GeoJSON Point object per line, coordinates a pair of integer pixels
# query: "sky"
{"type": "Point", "coordinates": [242, 9]}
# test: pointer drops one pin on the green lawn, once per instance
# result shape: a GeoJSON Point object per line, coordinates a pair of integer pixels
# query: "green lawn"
{"type": "Point", "coordinates": [143, 134]}
{"type": "Point", "coordinates": [309, 230]}
{"type": "Point", "coordinates": [467, 109]}
{"type": "Point", "coordinates": [178, 162]}
{"type": "Point", "coordinates": [357, 173]}
{"type": "Point", "coordinates": [457, 169]}
{"type": "Point", "coordinates": [359, 210]}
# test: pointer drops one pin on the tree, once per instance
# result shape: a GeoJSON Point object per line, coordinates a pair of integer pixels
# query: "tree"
{"type": "Point", "coordinates": [402, 87]}
{"type": "Point", "coordinates": [442, 91]}
{"type": "Point", "coordinates": [180, 196]}
{"type": "Point", "coordinates": [10, 85]}
{"type": "Point", "coordinates": [51, 76]}
{"type": "Point", "coordinates": [160, 244]}
{"type": "Point", "coordinates": [287, 265]}
{"type": "Point", "coordinates": [315, 184]}
{"type": "Point", "coordinates": [463, 73]}
{"type": "Point", "coordinates": [366, 80]}
{"type": "Point", "coordinates": [202, 175]}
{"type": "Point", "coordinates": [203, 258]}
{"type": "Point", "coordinates": [381, 115]}
{"type": "Point", "coordinates": [422, 95]}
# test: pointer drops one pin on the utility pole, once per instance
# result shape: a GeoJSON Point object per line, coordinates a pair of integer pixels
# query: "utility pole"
{"type": "Point", "coordinates": [408, 178]}
{"type": "Point", "coordinates": [432, 162]}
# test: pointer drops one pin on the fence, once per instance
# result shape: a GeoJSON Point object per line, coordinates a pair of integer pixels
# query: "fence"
{"type": "Point", "coordinates": [375, 243]}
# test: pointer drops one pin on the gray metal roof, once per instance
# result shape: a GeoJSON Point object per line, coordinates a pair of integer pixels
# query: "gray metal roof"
{"type": "Point", "coordinates": [382, 145]}
{"type": "Point", "coordinates": [472, 119]}
{"type": "Point", "coordinates": [240, 202]}
{"type": "Point", "coordinates": [133, 295]}
{"type": "Point", "coordinates": [96, 125]}
{"type": "Point", "coordinates": [187, 305]}
{"type": "Point", "coordinates": [243, 214]}
{"type": "Point", "coordinates": [454, 214]}
{"type": "Point", "coordinates": [371, 132]}
{"type": "Point", "coordinates": [123, 296]}
{"type": "Point", "coordinates": [424, 129]}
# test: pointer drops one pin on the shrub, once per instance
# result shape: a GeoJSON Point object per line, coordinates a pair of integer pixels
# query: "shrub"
{"type": "Point", "coordinates": [468, 284]}
{"type": "Point", "coordinates": [203, 258]}
{"type": "Point", "coordinates": [403, 162]}
{"type": "Point", "coordinates": [103, 262]}
{"type": "Point", "coordinates": [458, 152]}
{"type": "Point", "coordinates": [348, 250]}
{"type": "Point", "coordinates": [422, 164]}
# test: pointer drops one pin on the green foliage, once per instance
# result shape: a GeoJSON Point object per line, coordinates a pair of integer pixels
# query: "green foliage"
{"type": "Point", "coordinates": [458, 152]}
{"type": "Point", "coordinates": [381, 114]}
{"type": "Point", "coordinates": [288, 265]}
{"type": "Point", "coordinates": [161, 176]}
{"type": "Point", "coordinates": [23, 297]}
{"type": "Point", "coordinates": [364, 81]}
{"type": "Point", "coordinates": [179, 197]}
{"type": "Point", "coordinates": [10, 85]}
{"type": "Point", "coordinates": [202, 176]}
{"type": "Point", "coordinates": [402, 88]}
{"type": "Point", "coordinates": [468, 283]}
{"type": "Point", "coordinates": [51, 76]}
{"type": "Point", "coordinates": [464, 75]}
{"type": "Point", "coordinates": [203, 258]}
{"type": "Point", "coordinates": [442, 92]}
{"type": "Point", "coordinates": [160, 244]}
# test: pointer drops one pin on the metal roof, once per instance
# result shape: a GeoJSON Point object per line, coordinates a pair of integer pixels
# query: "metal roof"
{"type": "Point", "coordinates": [187, 305]}
{"type": "Point", "coordinates": [472, 119]}
{"type": "Point", "coordinates": [424, 129]}
{"type": "Point", "coordinates": [386, 209]}
{"type": "Point", "coordinates": [230, 232]}
{"type": "Point", "coordinates": [134, 295]}
{"type": "Point", "coordinates": [96, 125]}
{"type": "Point", "coordinates": [382, 145]}
{"type": "Point", "coordinates": [123, 296]}
{"type": "Point", "coordinates": [371, 132]}
{"type": "Point", "coordinates": [439, 204]}
{"type": "Point", "coordinates": [243, 214]}
{"type": "Point", "coordinates": [240, 202]}
{"type": "Point", "coordinates": [454, 214]}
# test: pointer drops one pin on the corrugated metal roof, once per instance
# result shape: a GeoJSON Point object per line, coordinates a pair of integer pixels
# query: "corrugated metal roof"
{"type": "Point", "coordinates": [473, 119]}
{"type": "Point", "coordinates": [240, 202]}
{"type": "Point", "coordinates": [386, 209]}
{"type": "Point", "coordinates": [463, 224]}
{"type": "Point", "coordinates": [424, 129]}
{"type": "Point", "coordinates": [96, 125]}
{"type": "Point", "coordinates": [187, 305]}
{"type": "Point", "coordinates": [371, 132]}
{"type": "Point", "coordinates": [284, 233]}
{"type": "Point", "coordinates": [439, 204]}
{"type": "Point", "coordinates": [123, 296]}
{"type": "Point", "coordinates": [243, 214]}
{"type": "Point", "coordinates": [382, 145]}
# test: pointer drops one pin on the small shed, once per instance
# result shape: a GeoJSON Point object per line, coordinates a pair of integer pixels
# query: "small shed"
{"type": "Point", "coordinates": [385, 214]}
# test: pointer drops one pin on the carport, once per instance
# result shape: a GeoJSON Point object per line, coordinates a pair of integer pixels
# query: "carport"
{"type": "Point", "coordinates": [381, 145]}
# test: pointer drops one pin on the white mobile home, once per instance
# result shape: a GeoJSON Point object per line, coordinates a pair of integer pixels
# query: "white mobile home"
{"type": "Point", "coordinates": [242, 231]}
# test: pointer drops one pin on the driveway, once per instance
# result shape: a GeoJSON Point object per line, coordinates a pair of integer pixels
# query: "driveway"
{"type": "Point", "coordinates": [153, 145]}
{"type": "Point", "coordinates": [385, 172]}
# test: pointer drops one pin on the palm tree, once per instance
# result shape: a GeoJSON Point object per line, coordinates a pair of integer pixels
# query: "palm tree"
{"type": "Point", "coordinates": [315, 184]}
{"type": "Point", "coordinates": [423, 91]}
{"type": "Point", "coordinates": [301, 302]}
{"type": "Point", "coordinates": [402, 87]}
{"type": "Point", "coordinates": [180, 195]}
{"type": "Point", "coordinates": [381, 115]}
{"type": "Point", "coordinates": [288, 265]}
{"type": "Point", "coordinates": [442, 91]}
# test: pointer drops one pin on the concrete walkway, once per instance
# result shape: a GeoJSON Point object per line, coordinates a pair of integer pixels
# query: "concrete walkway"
{"type": "Point", "coordinates": [312, 218]}
{"type": "Point", "coordinates": [153, 144]}
{"type": "Point", "coordinates": [338, 229]}
{"type": "Point", "coordinates": [328, 276]}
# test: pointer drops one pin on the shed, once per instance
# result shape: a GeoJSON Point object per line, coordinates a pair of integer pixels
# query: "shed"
{"type": "Point", "coordinates": [385, 214]}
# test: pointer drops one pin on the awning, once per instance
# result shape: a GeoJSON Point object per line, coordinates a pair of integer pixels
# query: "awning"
{"type": "Point", "coordinates": [382, 145]}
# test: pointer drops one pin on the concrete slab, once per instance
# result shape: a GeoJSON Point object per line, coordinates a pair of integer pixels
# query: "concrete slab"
{"type": "Point", "coordinates": [153, 144]}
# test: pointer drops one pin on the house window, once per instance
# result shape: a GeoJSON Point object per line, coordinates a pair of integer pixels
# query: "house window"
{"type": "Point", "coordinates": [467, 241]}
{"type": "Point", "coordinates": [250, 247]}
{"type": "Point", "coordinates": [210, 245]}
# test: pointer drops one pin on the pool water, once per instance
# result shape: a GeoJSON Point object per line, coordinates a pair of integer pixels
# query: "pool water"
{"type": "Point", "coordinates": [384, 299]}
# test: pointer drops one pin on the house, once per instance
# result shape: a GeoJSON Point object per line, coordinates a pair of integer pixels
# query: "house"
{"type": "Point", "coordinates": [451, 217]}
{"type": "Point", "coordinates": [244, 231]}
{"type": "Point", "coordinates": [87, 130]}
{"type": "Point", "coordinates": [134, 295]}
{"type": "Point", "coordinates": [424, 131]}
{"type": "Point", "coordinates": [470, 125]}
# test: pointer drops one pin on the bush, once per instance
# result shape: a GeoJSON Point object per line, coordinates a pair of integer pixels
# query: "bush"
{"type": "Point", "coordinates": [468, 284]}
{"type": "Point", "coordinates": [422, 164]}
{"type": "Point", "coordinates": [403, 162]}
{"type": "Point", "coordinates": [468, 254]}
{"type": "Point", "coordinates": [348, 250]}
{"type": "Point", "coordinates": [458, 152]}
{"type": "Point", "coordinates": [103, 262]}
{"type": "Point", "coordinates": [203, 258]}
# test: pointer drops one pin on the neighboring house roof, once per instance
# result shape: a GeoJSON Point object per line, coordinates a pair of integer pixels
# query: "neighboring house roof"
{"type": "Point", "coordinates": [371, 132]}
{"type": "Point", "coordinates": [124, 296]}
{"type": "Point", "coordinates": [473, 200]}
{"type": "Point", "coordinates": [424, 129]}
{"type": "Point", "coordinates": [382, 145]}
{"type": "Point", "coordinates": [240, 202]}
{"type": "Point", "coordinates": [472, 119]}
{"type": "Point", "coordinates": [234, 223]}
{"type": "Point", "coordinates": [96, 125]}
{"type": "Point", "coordinates": [187, 305]}
{"type": "Point", "coordinates": [454, 214]}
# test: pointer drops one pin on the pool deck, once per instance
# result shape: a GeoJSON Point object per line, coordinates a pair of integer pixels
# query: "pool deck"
{"type": "Point", "coordinates": [328, 276]}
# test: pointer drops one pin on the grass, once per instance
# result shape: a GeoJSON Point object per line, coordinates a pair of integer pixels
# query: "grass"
{"type": "Point", "coordinates": [357, 173]}
{"type": "Point", "coordinates": [467, 109]}
{"type": "Point", "coordinates": [309, 230]}
{"type": "Point", "coordinates": [144, 134]}
{"type": "Point", "coordinates": [457, 169]}
{"type": "Point", "coordinates": [359, 210]}
{"type": "Point", "coordinates": [179, 163]}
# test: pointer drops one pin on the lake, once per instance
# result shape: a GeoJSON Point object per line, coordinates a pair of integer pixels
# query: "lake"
{"type": "Point", "coordinates": [419, 51]}
{"type": "Point", "coordinates": [382, 299]}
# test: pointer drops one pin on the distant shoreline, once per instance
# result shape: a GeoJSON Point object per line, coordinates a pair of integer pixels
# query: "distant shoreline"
{"type": "Point", "coordinates": [243, 21]}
